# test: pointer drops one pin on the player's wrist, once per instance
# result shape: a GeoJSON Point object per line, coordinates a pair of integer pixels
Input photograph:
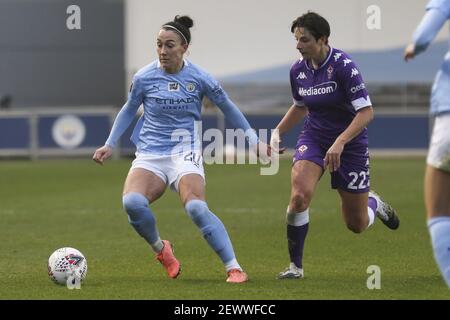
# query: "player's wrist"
{"type": "Point", "coordinates": [341, 140]}
{"type": "Point", "coordinates": [279, 131]}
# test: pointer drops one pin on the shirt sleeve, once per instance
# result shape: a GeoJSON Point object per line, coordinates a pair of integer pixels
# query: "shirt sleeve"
{"type": "Point", "coordinates": [438, 11]}
{"type": "Point", "coordinates": [238, 120]}
{"type": "Point", "coordinates": [441, 5]}
{"type": "Point", "coordinates": [296, 98]}
{"type": "Point", "coordinates": [213, 90]}
{"type": "Point", "coordinates": [351, 81]}
{"type": "Point", "coordinates": [127, 113]}
{"type": "Point", "coordinates": [219, 97]}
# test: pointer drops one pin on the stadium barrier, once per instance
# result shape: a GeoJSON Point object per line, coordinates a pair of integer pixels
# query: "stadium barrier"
{"type": "Point", "coordinates": [38, 133]}
{"type": "Point", "coordinates": [78, 132]}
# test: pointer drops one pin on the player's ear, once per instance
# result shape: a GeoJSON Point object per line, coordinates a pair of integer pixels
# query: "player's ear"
{"type": "Point", "coordinates": [323, 40]}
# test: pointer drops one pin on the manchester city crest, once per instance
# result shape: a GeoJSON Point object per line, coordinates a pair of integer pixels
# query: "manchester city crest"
{"type": "Point", "coordinates": [190, 87]}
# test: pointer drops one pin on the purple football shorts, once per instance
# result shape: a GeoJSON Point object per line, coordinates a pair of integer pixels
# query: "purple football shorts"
{"type": "Point", "coordinates": [352, 175]}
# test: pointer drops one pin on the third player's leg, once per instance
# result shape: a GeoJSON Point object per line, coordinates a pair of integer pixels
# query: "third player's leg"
{"type": "Point", "coordinates": [437, 201]}
{"type": "Point", "coordinates": [437, 192]}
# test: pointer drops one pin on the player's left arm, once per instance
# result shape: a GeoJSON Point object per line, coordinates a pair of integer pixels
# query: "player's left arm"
{"type": "Point", "coordinates": [426, 31]}
{"type": "Point", "coordinates": [332, 159]}
{"type": "Point", "coordinates": [352, 83]}
{"type": "Point", "coordinates": [238, 120]}
{"type": "Point", "coordinates": [232, 113]}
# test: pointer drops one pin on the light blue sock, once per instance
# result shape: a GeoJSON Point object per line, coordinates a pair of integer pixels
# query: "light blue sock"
{"type": "Point", "coordinates": [439, 228]}
{"type": "Point", "coordinates": [212, 229]}
{"type": "Point", "coordinates": [142, 219]}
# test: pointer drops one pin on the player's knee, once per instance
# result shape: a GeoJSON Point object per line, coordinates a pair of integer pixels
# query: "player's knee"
{"type": "Point", "coordinates": [198, 211]}
{"type": "Point", "coordinates": [133, 203]}
{"type": "Point", "coordinates": [300, 201]}
{"type": "Point", "coordinates": [356, 226]}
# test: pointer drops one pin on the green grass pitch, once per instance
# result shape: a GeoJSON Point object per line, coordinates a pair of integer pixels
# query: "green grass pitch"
{"type": "Point", "coordinates": [54, 203]}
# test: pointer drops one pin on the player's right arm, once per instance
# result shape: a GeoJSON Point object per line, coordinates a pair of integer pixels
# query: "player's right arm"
{"type": "Point", "coordinates": [295, 114]}
{"type": "Point", "coordinates": [122, 122]}
{"type": "Point", "coordinates": [437, 14]}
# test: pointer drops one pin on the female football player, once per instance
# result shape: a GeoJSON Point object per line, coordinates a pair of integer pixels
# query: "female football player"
{"type": "Point", "coordinates": [168, 148]}
{"type": "Point", "coordinates": [437, 173]}
{"type": "Point", "coordinates": [329, 92]}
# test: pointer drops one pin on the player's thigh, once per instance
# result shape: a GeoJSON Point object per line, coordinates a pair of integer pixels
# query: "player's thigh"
{"type": "Point", "coordinates": [191, 187]}
{"type": "Point", "coordinates": [437, 192]}
{"type": "Point", "coordinates": [354, 207]}
{"type": "Point", "coordinates": [437, 174]}
{"type": "Point", "coordinates": [353, 175]}
{"type": "Point", "coordinates": [304, 177]}
{"type": "Point", "coordinates": [144, 182]}
{"type": "Point", "coordinates": [439, 151]}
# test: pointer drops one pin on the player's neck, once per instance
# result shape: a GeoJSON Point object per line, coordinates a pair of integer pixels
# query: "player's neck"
{"type": "Point", "coordinates": [316, 62]}
{"type": "Point", "coordinates": [175, 68]}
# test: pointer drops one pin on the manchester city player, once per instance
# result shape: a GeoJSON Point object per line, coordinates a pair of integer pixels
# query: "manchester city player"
{"type": "Point", "coordinates": [437, 173]}
{"type": "Point", "coordinates": [168, 148]}
{"type": "Point", "coordinates": [330, 94]}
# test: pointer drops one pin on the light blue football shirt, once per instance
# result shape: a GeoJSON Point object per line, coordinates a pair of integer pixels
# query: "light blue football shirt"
{"type": "Point", "coordinates": [172, 106]}
{"type": "Point", "coordinates": [438, 12]}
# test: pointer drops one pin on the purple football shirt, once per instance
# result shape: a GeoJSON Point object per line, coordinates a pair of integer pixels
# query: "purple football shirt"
{"type": "Point", "coordinates": [333, 94]}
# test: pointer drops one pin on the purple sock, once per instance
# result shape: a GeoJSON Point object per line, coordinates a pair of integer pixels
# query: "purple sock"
{"type": "Point", "coordinates": [296, 240]}
{"type": "Point", "coordinates": [373, 204]}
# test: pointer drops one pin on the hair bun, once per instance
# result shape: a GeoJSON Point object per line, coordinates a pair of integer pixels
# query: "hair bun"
{"type": "Point", "coordinates": [184, 20]}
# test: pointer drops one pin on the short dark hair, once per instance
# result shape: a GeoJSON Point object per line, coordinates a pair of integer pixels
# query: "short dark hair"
{"type": "Point", "coordinates": [181, 25]}
{"type": "Point", "coordinates": [316, 24]}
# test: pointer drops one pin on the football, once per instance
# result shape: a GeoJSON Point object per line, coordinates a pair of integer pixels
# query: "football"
{"type": "Point", "coordinates": [67, 263]}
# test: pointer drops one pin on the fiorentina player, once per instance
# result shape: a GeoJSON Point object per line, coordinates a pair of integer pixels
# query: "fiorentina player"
{"type": "Point", "coordinates": [437, 173]}
{"type": "Point", "coordinates": [329, 92]}
{"type": "Point", "coordinates": [171, 90]}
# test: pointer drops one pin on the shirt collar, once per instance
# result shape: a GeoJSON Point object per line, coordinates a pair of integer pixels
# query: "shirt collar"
{"type": "Point", "coordinates": [186, 63]}
{"type": "Point", "coordinates": [325, 61]}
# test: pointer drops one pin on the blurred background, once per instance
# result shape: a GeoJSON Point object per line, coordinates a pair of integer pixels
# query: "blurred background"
{"type": "Point", "coordinates": [66, 66]}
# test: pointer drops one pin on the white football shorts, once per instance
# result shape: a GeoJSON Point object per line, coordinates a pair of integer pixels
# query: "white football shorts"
{"type": "Point", "coordinates": [439, 151]}
{"type": "Point", "coordinates": [171, 168]}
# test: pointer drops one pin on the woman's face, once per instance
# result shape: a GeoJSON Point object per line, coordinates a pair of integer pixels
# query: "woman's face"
{"type": "Point", "coordinates": [309, 47]}
{"type": "Point", "coordinates": [170, 49]}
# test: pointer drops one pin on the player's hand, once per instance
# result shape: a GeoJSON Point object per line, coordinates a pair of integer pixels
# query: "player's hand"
{"type": "Point", "coordinates": [409, 52]}
{"type": "Point", "coordinates": [263, 151]}
{"type": "Point", "coordinates": [101, 154]}
{"type": "Point", "coordinates": [275, 141]}
{"type": "Point", "coordinates": [332, 159]}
